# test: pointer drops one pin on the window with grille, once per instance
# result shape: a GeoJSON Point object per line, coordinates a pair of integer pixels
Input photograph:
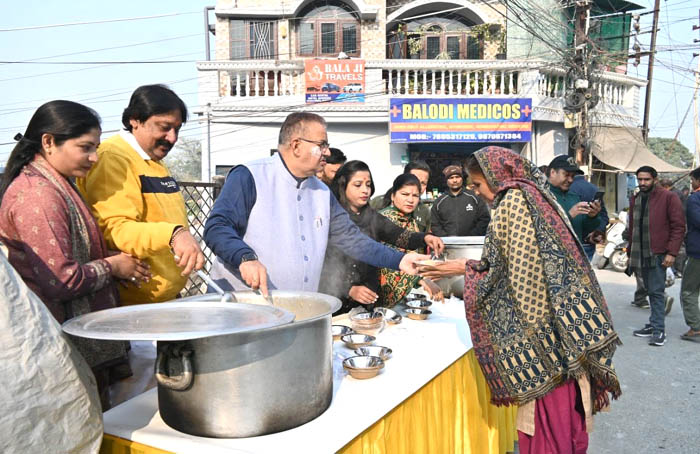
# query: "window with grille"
{"type": "Point", "coordinates": [253, 39]}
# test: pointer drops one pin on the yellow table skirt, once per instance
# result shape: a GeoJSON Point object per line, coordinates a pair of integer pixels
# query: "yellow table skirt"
{"type": "Point", "coordinates": [450, 414]}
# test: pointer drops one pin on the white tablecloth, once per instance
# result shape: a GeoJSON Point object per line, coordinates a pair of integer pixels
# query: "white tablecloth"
{"type": "Point", "coordinates": [422, 349]}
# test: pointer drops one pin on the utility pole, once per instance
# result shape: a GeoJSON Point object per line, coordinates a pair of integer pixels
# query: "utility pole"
{"type": "Point", "coordinates": [581, 84]}
{"type": "Point", "coordinates": [209, 142]}
{"type": "Point", "coordinates": [650, 71]}
{"type": "Point", "coordinates": [696, 120]}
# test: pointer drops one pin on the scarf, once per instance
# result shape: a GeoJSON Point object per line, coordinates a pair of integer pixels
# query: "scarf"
{"type": "Point", "coordinates": [395, 285]}
{"type": "Point", "coordinates": [641, 255]}
{"type": "Point", "coordinates": [95, 352]}
{"type": "Point", "coordinates": [536, 312]}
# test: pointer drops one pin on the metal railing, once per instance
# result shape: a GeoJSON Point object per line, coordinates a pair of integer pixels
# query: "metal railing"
{"type": "Point", "coordinates": [199, 201]}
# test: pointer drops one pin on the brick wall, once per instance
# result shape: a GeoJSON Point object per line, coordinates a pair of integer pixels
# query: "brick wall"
{"type": "Point", "coordinates": [373, 32]}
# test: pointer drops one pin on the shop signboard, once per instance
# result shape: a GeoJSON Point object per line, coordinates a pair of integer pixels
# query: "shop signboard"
{"type": "Point", "coordinates": [460, 120]}
{"type": "Point", "coordinates": [334, 81]}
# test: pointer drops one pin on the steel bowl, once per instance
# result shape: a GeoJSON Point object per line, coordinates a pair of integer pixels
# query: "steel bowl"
{"type": "Point", "coordinates": [340, 330]}
{"type": "Point", "coordinates": [354, 341]}
{"type": "Point", "coordinates": [363, 367]}
{"type": "Point", "coordinates": [375, 350]}
{"type": "Point", "coordinates": [416, 296]}
{"type": "Point", "coordinates": [367, 323]}
{"type": "Point", "coordinates": [418, 314]}
{"type": "Point", "coordinates": [366, 318]}
{"type": "Point", "coordinates": [390, 316]}
{"type": "Point", "coordinates": [418, 304]}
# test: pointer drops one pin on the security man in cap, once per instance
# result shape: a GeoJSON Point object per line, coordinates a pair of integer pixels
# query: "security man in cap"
{"type": "Point", "coordinates": [458, 212]}
{"type": "Point", "coordinates": [584, 216]}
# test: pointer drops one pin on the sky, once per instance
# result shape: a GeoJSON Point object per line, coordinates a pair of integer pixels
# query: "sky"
{"type": "Point", "coordinates": [107, 87]}
{"type": "Point", "coordinates": [673, 83]}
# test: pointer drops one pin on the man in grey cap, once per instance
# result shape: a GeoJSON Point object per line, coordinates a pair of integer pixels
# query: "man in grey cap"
{"type": "Point", "coordinates": [584, 216]}
{"type": "Point", "coordinates": [458, 212]}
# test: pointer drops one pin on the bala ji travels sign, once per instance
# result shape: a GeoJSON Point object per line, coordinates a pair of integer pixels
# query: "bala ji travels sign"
{"type": "Point", "coordinates": [334, 81]}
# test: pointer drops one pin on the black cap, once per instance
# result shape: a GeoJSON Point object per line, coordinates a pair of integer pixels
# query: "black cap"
{"type": "Point", "coordinates": [565, 162]}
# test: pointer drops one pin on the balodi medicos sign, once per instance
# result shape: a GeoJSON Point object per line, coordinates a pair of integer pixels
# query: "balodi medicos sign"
{"type": "Point", "coordinates": [460, 120]}
{"type": "Point", "coordinates": [334, 81]}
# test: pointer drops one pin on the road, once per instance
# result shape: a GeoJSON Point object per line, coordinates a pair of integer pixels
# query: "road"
{"type": "Point", "coordinates": [659, 410]}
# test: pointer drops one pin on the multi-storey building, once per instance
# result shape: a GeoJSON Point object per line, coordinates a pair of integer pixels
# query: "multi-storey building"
{"type": "Point", "coordinates": [444, 49]}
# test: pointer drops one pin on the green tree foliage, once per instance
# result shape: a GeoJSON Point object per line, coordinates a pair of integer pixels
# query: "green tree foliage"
{"type": "Point", "coordinates": [185, 160]}
{"type": "Point", "coordinates": [671, 151]}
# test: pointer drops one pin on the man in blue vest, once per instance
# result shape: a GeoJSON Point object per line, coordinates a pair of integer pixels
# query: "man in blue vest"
{"type": "Point", "coordinates": [273, 220]}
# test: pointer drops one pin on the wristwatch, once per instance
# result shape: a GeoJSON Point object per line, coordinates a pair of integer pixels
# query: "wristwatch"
{"type": "Point", "coordinates": [248, 257]}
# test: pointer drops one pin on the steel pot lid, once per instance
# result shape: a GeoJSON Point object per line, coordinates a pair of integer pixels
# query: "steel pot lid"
{"type": "Point", "coordinates": [176, 321]}
{"type": "Point", "coordinates": [463, 240]}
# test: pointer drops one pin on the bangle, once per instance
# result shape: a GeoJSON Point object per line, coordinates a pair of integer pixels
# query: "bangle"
{"type": "Point", "coordinates": [179, 229]}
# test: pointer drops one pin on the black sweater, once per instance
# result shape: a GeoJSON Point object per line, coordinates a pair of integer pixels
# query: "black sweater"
{"type": "Point", "coordinates": [463, 214]}
{"type": "Point", "coordinates": [340, 272]}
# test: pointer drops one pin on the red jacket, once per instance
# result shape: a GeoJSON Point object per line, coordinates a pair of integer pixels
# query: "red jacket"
{"type": "Point", "coordinates": [666, 221]}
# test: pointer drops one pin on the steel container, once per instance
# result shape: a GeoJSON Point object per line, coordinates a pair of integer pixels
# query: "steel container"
{"type": "Point", "coordinates": [457, 247]}
{"type": "Point", "coordinates": [255, 382]}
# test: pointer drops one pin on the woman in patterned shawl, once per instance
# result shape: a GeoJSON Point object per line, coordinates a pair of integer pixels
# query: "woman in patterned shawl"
{"type": "Point", "coordinates": [540, 326]}
{"type": "Point", "coordinates": [403, 198]}
{"type": "Point", "coordinates": [52, 239]}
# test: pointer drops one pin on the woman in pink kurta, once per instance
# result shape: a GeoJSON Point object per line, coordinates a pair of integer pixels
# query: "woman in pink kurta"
{"type": "Point", "coordinates": [52, 239]}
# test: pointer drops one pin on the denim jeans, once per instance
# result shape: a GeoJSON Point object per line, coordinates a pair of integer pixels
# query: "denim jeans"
{"type": "Point", "coordinates": [589, 249]}
{"type": "Point", "coordinates": [655, 282]}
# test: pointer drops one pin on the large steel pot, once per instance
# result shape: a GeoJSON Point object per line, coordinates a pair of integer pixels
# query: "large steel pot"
{"type": "Point", "coordinates": [457, 247]}
{"type": "Point", "coordinates": [255, 382]}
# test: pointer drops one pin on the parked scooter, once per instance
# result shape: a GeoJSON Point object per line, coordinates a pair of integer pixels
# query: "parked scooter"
{"type": "Point", "coordinates": [615, 250]}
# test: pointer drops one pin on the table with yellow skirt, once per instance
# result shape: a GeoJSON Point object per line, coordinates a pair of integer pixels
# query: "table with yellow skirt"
{"type": "Point", "coordinates": [424, 407]}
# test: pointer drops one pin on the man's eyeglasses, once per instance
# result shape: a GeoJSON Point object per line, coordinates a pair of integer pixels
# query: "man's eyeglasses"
{"type": "Point", "coordinates": [322, 144]}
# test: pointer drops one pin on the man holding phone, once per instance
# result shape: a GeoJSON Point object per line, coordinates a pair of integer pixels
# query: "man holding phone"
{"type": "Point", "coordinates": [584, 215]}
{"type": "Point", "coordinates": [589, 192]}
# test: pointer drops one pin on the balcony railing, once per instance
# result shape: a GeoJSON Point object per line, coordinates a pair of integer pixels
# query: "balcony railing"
{"type": "Point", "coordinates": [269, 78]}
{"type": "Point", "coordinates": [611, 88]}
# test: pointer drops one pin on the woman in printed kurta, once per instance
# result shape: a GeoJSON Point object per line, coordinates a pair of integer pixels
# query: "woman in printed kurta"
{"type": "Point", "coordinates": [52, 239]}
{"type": "Point", "coordinates": [356, 283]}
{"type": "Point", "coordinates": [403, 197]}
{"type": "Point", "coordinates": [540, 326]}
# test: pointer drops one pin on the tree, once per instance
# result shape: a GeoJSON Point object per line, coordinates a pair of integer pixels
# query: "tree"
{"type": "Point", "coordinates": [671, 151]}
{"type": "Point", "coordinates": [185, 160]}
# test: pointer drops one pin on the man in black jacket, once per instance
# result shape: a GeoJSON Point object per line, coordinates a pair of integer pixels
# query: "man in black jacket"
{"type": "Point", "coordinates": [458, 212]}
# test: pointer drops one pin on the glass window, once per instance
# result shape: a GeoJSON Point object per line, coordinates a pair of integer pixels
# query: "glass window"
{"type": "Point", "coordinates": [473, 48]}
{"type": "Point", "coordinates": [306, 40]}
{"type": "Point", "coordinates": [252, 39]}
{"type": "Point", "coordinates": [238, 40]}
{"type": "Point", "coordinates": [349, 38]}
{"type": "Point", "coordinates": [431, 36]}
{"type": "Point", "coordinates": [453, 47]}
{"type": "Point", "coordinates": [328, 38]}
{"type": "Point", "coordinates": [328, 28]}
{"type": "Point", "coordinates": [432, 47]}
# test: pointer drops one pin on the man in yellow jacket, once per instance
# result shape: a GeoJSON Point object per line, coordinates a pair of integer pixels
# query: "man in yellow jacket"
{"type": "Point", "coordinates": [136, 201]}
